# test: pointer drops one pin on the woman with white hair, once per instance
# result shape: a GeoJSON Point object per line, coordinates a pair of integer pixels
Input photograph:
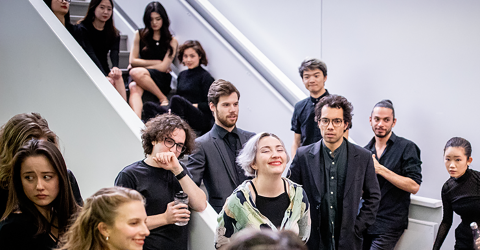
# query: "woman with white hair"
{"type": "Point", "coordinates": [268, 200]}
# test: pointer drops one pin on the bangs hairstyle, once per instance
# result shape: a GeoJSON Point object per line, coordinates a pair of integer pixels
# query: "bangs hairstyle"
{"type": "Point", "coordinates": [312, 64]}
{"type": "Point", "coordinates": [459, 142]}
{"type": "Point", "coordinates": [16, 132]}
{"type": "Point", "coordinates": [146, 35]}
{"type": "Point", "coordinates": [100, 207]}
{"type": "Point", "coordinates": [384, 104]}
{"type": "Point", "coordinates": [64, 205]}
{"type": "Point", "coordinates": [156, 129]}
{"type": "Point", "coordinates": [247, 156]}
{"type": "Point", "coordinates": [195, 45]}
{"type": "Point", "coordinates": [220, 88]}
{"type": "Point", "coordinates": [338, 102]}
{"type": "Point", "coordinates": [109, 28]}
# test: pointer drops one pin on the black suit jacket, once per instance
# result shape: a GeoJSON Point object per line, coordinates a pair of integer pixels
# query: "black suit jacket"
{"type": "Point", "coordinates": [211, 163]}
{"type": "Point", "coordinates": [307, 169]}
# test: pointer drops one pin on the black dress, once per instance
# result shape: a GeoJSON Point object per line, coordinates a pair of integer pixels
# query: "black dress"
{"type": "Point", "coordinates": [153, 50]}
{"type": "Point", "coordinates": [462, 196]}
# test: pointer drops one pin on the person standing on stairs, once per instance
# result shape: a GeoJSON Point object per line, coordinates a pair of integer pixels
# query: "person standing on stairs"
{"type": "Point", "coordinates": [98, 36]}
{"type": "Point", "coordinates": [152, 53]}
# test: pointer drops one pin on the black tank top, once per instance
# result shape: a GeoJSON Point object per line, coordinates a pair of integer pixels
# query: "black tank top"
{"type": "Point", "coordinates": [273, 207]}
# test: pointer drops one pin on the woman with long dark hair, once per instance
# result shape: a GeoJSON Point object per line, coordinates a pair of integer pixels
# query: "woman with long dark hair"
{"type": "Point", "coordinates": [61, 9]}
{"type": "Point", "coordinates": [97, 35]}
{"type": "Point", "coordinates": [40, 200]}
{"type": "Point", "coordinates": [13, 135]}
{"type": "Point", "coordinates": [460, 194]}
{"type": "Point", "coordinates": [190, 101]}
{"type": "Point", "coordinates": [152, 53]}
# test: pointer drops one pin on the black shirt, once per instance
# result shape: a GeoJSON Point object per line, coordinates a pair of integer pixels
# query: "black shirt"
{"type": "Point", "coordinates": [158, 186]}
{"type": "Point", "coordinates": [97, 44]}
{"type": "Point", "coordinates": [273, 207]}
{"type": "Point", "coordinates": [462, 196]}
{"type": "Point", "coordinates": [331, 209]}
{"type": "Point", "coordinates": [402, 157]}
{"type": "Point", "coordinates": [193, 85]}
{"type": "Point", "coordinates": [303, 120]}
{"type": "Point", "coordinates": [233, 145]}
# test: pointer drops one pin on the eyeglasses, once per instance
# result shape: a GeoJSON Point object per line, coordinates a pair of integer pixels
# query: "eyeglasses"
{"type": "Point", "coordinates": [169, 143]}
{"type": "Point", "coordinates": [337, 122]}
{"type": "Point", "coordinates": [61, 1]}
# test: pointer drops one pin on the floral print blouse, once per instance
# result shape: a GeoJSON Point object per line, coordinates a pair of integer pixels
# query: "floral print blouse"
{"type": "Point", "coordinates": [240, 212]}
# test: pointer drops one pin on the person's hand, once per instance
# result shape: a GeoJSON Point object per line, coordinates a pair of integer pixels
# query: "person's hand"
{"type": "Point", "coordinates": [477, 243]}
{"type": "Point", "coordinates": [378, 167]}
{"type": "Point", "coordinates": [177, 213]}
{"type": "Point", "coordinates": [129, 67]}
{"type": "Point", "coordinates": [168, 161]}
{"type": "Point", "coordinates": [195, 105]}
{"type": "Point", "coordinates": [115, 73]}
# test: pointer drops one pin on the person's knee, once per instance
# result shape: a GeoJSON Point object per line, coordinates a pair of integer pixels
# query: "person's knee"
{"type": "Point", "coordinates": [135, 89]}
{"type": "Point", "coordinates": [137, 73]}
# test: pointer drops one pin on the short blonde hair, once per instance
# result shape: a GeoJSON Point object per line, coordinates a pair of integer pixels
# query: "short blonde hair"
{"type": "Point", "coordinates": [247, 156]}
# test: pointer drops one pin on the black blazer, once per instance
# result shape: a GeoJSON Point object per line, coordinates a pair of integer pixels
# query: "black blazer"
{"type": "Point", "coordinates": [307, 168]}
{"type": "Point", "coordinates": [211, 163]}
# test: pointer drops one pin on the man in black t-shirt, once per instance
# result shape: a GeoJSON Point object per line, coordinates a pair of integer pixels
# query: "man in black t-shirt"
{"type": "Point", "coordinates": [398, 168]}
{"type": "Point", "coordinates": [306, 131]}
{"type": "Point", "coordinates": [160, 176]}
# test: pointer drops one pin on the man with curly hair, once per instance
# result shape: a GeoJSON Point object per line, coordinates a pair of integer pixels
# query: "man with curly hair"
{"type": "Point", "coordinates": [336, 174]}
{"type": "Point", "coordinates": [160, 176]}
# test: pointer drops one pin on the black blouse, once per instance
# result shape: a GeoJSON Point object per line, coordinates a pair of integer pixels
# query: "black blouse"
{"type": "Point", "coordinates": [462, 196]}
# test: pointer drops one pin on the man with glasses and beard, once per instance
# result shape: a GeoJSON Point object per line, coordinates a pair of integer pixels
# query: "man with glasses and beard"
{"type": "Point", "coordinates": [398, 167]}
{"type": "Point", "coordinates": [335, 174]}
{"type": "Point", "coordinates": [213, 159]}
{"type": "Point", "coordinates": [160, 176]}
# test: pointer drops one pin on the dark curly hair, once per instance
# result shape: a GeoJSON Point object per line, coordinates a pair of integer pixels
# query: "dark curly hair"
{"type": "Point", "coordinates": [459, 142]}
{"type": "Point", "coordinates": [335, 101]}
{"type": "Point", "coordinates": [156, 129]}
{"type": "Point", "coordinates": [195, 45]}
{"type": "Point", "coordinates": [220, 88]}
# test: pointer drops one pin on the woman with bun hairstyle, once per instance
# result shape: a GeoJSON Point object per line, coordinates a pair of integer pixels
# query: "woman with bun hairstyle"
{"type": "Point", "coordinates": [112, 218]}
{"type": "Point", "coordinates": [98, 36]}
{"type": "Point", "coordinates": [40, 199]}
{"type": "Point", "coordinates": [152, 53]}
{"type": "Point", "coordinates": [460, 194]}
{"type": "Point", "coordinates": [190, 101]}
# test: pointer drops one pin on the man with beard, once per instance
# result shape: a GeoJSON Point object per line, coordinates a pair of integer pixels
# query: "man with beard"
{"type": "Point", "coordinates": [213, 159]}
{"type": "Point", "coordinates": [398, 168]}
{"type": "Point", "coordinates": [335, 174]}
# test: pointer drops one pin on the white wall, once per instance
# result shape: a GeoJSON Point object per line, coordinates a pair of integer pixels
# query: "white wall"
{"type": "Point", "coordinates": [44, 70]}
{"type": "Point", "coordinates": [423, 55]}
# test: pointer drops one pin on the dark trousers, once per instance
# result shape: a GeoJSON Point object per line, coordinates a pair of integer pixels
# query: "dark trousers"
{"type": "Point", "coordinates": [385, 241]}
{"type": "Point", "coordinates": [180, 106]}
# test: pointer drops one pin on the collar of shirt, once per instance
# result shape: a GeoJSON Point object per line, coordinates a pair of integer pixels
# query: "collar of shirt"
{"type": "Point", "coordinates": [223, 132]}
{"type": "Point", "coordinates": [316, 100]}
{"type": "Point", "coordinates": [371, 144]}
{"type": "Point", "coordinates": [336, 152]}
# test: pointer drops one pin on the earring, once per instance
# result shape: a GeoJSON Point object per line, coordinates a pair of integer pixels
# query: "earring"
{"type": "Point", "coordinates": [256, 173]}
{"type": "Point", "coordinates": [107, 238]}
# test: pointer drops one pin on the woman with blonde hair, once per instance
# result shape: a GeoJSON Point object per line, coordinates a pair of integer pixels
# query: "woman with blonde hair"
{"type": "Point", "coordinates": [268, 200]}
{"type": "Point", "coordinates": [112, 218]}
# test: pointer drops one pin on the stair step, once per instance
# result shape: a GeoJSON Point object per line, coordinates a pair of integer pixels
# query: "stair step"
{"type": "Point", "coordinates": [123, 60]}
{"type": "Point", "coordinates": [79, 8]}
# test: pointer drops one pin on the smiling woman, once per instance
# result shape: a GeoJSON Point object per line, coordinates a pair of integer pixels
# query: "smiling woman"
{"type": "Point", "coordinates": [113, 218]}
{"type": "Point", "coordinates": [267, 201]}
{"type": "Point", "coordinates": [40, 201]}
